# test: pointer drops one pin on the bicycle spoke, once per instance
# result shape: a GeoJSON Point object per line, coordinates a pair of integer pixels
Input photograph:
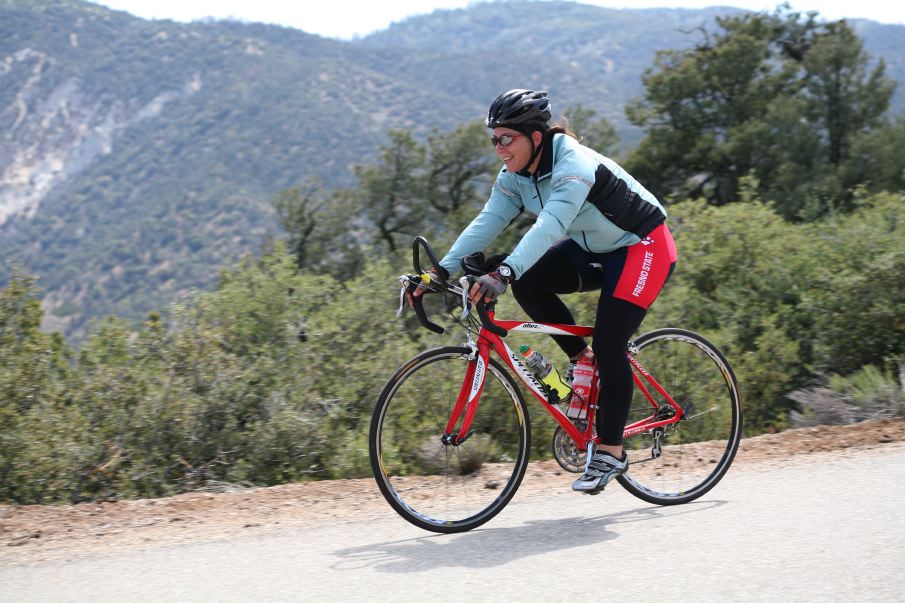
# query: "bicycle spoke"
{"type": "Point", "coordinates": [701, 414]}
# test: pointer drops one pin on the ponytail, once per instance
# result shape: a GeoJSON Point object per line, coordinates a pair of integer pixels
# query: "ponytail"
{"type": "Point", "coordinates": [561, 127]}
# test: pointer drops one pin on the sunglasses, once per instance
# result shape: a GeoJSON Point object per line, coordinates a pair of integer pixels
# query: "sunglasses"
{"type": "Point", "coordinates": [504, 140]}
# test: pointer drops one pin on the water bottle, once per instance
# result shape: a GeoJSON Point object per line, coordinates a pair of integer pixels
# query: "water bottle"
{"type": "Point", "coordinates": [582, 379]}
{"type": "Point", "coordinates": [546, 374]}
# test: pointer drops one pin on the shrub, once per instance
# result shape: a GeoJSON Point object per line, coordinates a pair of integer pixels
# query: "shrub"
{"type": "Point", "coordinates": [868, 394]}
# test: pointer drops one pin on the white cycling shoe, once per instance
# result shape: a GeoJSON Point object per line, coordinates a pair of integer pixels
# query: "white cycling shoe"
{"type": "Point", "coordinates": [599, 471]}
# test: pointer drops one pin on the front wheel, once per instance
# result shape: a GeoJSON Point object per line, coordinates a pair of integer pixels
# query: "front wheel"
{"type": "Point", "coordinates": [431, 483]}
{"type": "Point", "coordinates": [678, 463]}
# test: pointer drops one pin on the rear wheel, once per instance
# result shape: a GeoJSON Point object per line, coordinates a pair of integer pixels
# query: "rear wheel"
{"type": "Point", "coordinates": [680, 462]}
{"type": "Point", "coordinates": [431, 483]}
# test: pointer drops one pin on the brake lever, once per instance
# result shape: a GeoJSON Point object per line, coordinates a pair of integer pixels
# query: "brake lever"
{"type": "Point", "coordinates": [404, 279]}
{"type": "Point", "coordinates": [465, 284]}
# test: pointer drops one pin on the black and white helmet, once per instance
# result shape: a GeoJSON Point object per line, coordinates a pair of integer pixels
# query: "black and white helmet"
{"type": "Point", "coordinates": [520, 110]}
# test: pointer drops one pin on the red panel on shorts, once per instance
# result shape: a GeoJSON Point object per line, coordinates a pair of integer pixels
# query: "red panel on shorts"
{"type": "Point", "coordinates": [646, 268]}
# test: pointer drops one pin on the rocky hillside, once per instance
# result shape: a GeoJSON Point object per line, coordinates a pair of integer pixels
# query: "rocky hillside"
{"type": "Point", "coordinates": [136, 157]}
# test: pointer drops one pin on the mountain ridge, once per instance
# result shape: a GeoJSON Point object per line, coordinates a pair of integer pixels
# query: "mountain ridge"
{"type": "Point", "coordinates": [138, 156]}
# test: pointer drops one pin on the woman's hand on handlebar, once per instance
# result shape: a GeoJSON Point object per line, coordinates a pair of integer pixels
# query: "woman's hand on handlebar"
{"type": "Point", "coordinates": [438, 274]}
{"type": "Point", "coordinates": [487, 288]}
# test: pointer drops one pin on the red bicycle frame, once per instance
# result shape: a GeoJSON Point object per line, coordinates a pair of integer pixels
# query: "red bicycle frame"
{"type": "Point", "coordinates": [488, 342]}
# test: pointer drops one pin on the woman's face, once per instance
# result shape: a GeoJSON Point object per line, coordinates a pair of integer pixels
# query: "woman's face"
{"type": "Point", "coordinates": [517, 153]}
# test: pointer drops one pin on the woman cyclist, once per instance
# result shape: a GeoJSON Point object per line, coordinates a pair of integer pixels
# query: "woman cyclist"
{"type": "Point", "coordinates": [596, 229]}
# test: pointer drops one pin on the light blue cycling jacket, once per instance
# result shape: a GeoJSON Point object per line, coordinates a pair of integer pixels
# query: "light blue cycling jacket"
{"type": "Point", "coordinates": [575, 192]}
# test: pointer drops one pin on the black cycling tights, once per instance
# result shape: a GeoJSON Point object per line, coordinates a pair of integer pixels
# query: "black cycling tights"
{"type": "Point", "coordinates": [565, 269]}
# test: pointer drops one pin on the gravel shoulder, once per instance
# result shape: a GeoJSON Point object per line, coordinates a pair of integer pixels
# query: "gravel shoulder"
{"type": "Point", "coordinates": [36, 533]}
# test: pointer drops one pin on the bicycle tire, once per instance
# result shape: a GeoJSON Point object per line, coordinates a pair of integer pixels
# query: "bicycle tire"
{"type": "Point", "coordinates": [436, 486]}
{"type": "Point", "coordinates": [697, 451]}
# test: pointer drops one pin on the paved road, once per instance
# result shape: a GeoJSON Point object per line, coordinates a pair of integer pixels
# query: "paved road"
{"type": "Point", "coordinates": [833, 531]}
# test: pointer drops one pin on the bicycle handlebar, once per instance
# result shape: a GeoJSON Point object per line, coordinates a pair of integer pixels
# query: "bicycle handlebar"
{"type": "Point", "coordinates": [418, 304]}
{"type": "Point", "coordinates": [410, 285]}
{"type": "Point", "coordinates": [416, 259]}
{"type": "Point", "coordinates": [488, 322]}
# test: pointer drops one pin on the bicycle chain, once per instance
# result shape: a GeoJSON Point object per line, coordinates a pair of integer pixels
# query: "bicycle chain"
{"type": "Point", "coordinates": [642, 461]}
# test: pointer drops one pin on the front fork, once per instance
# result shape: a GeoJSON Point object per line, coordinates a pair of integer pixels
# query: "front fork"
{"type": "Point", "coordinates": [467, 402]}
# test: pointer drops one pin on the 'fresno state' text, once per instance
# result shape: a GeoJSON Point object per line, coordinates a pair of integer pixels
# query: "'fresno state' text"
{"type": "Point", "coordinates": [645, 271]}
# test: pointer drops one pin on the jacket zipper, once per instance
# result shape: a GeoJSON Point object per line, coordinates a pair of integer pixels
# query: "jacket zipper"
{"type": "Point", "coordinates": [537, 188]}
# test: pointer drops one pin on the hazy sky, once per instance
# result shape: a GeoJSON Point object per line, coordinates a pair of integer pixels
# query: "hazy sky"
{"type": "Point", "coordinates": [348, 18]}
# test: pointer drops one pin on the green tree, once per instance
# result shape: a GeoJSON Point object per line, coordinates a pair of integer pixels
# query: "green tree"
{"type": "Point", "coordinates": [35, 422]}
{"type": "Point", "coordinates": [460, 170]}
{"type": "Point", "coordinates": [598, 134]}
{"type": "Point", "coordinates": [431, 188]}
{"type": "Point", "coordinates": [781, 97]}
{"type": "Point", "coordinates": [876, 162]}
{"type": "Point", "coordinates": [392, 192]}
{"type": "Point", "coordinates": [30, 360]}
{"type": "Point", "coordinates": [299, 210]}
{"type": "Point", "coordinates": [323, 235]}
{"type": "Point", "coordinates": [844, 97]}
